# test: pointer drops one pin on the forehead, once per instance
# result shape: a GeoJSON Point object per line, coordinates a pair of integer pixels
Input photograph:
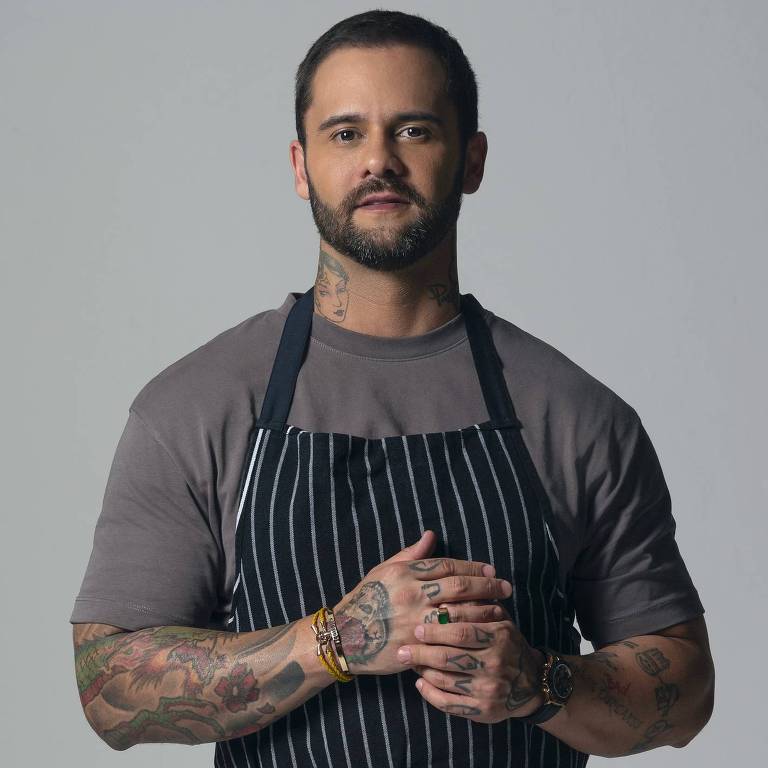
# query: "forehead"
{"type": "Point", "coordinates": [374, 81]}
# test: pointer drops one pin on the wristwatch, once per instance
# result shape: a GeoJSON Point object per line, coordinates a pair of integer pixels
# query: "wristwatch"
{"type": "Point", "coordinates": [556, 685]}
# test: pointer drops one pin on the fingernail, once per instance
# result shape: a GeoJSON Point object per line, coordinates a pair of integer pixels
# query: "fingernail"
{"type": "Point", "coordinates": [497, 612]}
{"type": "Point", "coordinates": [489, 570]}
{"type": "Point", "coordinates": [419, 632]}
{"type": "Point", "coordinates": [506, 588]}
{"type": "Point", "coordinates": [404, 654]}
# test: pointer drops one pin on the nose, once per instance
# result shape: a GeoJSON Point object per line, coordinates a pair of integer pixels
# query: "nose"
{"type": "Point", "coordinates": [381, 158]}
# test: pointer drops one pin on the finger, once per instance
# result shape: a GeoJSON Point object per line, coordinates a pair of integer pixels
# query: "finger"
{"type": "Point", "coordinates": [451, 703]}
{"type": "Point", "coordinates": [462, 635]}
{"type": "Point", "coordinates": [471, 611]}
{"type": "Point", "coordinates": [463, 588]}
{"type": "Point", "coordinates": [441, 657]}
{"type": "Point", "coordinates": [454, 682]}
{"type": "Point", "coordinates": [439, 567]}
{"type": "Point", "coordinates": [419, 549]}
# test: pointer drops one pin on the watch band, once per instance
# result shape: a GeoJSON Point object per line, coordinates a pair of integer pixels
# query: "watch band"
{"type": "Point", "coordinates": [542, 714]}
{"type": "Point", "coordinates": [547, 710]}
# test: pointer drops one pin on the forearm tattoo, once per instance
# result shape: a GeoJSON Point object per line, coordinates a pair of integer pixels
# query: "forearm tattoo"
{"type": "Point", "coordinates": [653, 662]}
{"type": "Point", "coordinates": [602, 674]}
{"type": "Point", "coordinates": [183, 684]}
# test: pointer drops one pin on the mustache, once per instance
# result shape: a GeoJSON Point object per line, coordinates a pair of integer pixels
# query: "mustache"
{"type": "Point", "coordinates": [377, 186]}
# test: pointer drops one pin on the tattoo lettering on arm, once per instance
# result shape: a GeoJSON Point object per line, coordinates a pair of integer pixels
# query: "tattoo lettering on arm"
{"type": "Point", "coordinates": [613, 695]}
{"type": "Point", "coordinates": [605, 687]}
{"type": "Point", "coordinates": [615, 686]}
{"type": "Point", "coordinates": [645, 688]}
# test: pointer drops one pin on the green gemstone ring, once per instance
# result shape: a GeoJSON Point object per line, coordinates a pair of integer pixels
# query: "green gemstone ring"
{"type": "Point", "coordinates": [442, 616]}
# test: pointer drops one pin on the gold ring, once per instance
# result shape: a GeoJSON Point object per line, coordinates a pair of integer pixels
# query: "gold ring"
{"type": "Point", "coordinates": [442, 615]}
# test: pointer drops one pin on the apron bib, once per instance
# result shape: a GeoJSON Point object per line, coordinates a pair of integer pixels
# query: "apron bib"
{"type": "Point", "coordinates": [319, 510]}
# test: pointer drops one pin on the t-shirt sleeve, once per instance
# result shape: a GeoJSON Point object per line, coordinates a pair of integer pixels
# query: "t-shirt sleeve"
{"type": "Point", "coordinates": [154, 560]}
{"type": "Point", "coordinates": [629, 578]}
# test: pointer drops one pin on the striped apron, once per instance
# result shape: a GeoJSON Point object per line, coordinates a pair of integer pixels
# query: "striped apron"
{"type": "Point", "coordinates": [319, 510]}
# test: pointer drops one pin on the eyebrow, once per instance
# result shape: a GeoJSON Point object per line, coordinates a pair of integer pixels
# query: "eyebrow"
{"type": "Point", "coordinates": [357, 117]}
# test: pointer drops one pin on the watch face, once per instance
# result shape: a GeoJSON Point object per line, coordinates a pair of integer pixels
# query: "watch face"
{"type": "Point", "coordinates": [562, 680]}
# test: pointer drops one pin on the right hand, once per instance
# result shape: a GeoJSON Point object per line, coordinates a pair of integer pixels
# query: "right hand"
{"type": "Point", "coordinates": [381, 612]}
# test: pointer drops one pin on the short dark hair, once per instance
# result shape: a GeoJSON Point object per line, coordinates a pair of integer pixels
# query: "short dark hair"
{"type": "Point", "coordinates": [381, 28]}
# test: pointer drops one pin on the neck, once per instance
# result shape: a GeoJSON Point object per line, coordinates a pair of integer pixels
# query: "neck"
{"type": "Point", "coordinates": [408, 302]}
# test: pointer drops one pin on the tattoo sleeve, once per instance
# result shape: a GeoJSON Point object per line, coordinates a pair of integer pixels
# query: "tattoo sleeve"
{"type": "Point", "coordinates": [192, 686]}
{"type": "Point", "coordinates": [637, 694]}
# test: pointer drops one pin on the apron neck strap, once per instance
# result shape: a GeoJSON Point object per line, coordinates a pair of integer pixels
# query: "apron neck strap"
{"type": "Point", "coordinates": [290, 355]}
{"type": "Point", "coordinates": [488, 364]}
{"type": "Point", "coordinates": [295, 339]}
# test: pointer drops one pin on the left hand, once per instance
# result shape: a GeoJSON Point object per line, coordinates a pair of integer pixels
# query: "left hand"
{"type": "Point", "coordinates": [482, 670]}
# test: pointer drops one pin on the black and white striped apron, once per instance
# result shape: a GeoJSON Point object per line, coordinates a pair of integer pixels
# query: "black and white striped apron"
{"type": "Point", "coordinates": [319, 510]}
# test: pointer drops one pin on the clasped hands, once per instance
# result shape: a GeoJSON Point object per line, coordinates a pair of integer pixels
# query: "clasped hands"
{"type": "Point", "coordinates": [479, 665]}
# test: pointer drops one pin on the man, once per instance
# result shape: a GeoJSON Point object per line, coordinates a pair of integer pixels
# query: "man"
{"type": "Point", "coordinates": [395, 501]}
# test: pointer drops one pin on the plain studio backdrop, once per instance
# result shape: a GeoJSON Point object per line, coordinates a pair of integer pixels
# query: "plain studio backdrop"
{"type": "Point", "coordinates": [146, 204]}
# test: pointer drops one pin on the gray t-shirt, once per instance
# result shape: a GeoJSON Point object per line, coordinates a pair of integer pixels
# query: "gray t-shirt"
{"type": "Point", "coordinates": [163, 547]}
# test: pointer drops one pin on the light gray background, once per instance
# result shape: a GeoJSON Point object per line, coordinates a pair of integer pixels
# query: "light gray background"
{"type": "Point", "coordinates": [146, 204]}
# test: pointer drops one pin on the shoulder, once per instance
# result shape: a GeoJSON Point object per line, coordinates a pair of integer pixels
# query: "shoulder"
{"type": "Point", "coordinates": [205, 387]}
{"type": "Point", "coordinates": [551, 386]}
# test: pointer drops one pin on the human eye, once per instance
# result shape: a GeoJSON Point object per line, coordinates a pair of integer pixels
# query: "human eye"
{"type": "Point", "coordinates": [414, 132]}
{"type": "Point", "coordinates": [344, 136]}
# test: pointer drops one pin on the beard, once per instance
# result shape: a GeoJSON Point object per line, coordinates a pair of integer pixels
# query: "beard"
{"type": "Point", "coordinates": [387, 249]}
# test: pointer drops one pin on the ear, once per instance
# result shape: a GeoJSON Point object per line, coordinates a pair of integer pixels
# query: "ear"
{"type": "Point", "coordinates": [474, 162]}
{"type": "Point", "coordinates": [296, 154]}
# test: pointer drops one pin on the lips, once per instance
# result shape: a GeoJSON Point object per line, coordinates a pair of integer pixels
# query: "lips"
{"type": "Point", "coordinates": [382, 197]}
